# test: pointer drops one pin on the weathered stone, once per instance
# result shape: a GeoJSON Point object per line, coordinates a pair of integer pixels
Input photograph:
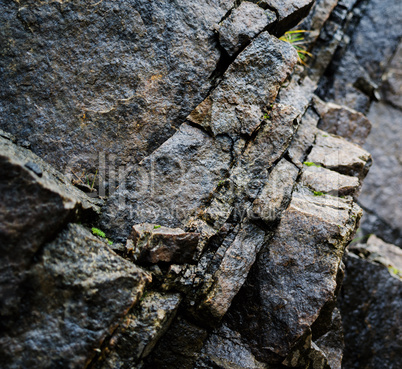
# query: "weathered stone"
{"type": "Point", "coordinates": [242, 25]}
{"type": "Point", "coordinates": [327, 181]}
{"type": "Point", "coordinates": [179, 348]}
{"type": "Point", "coordinates": [332, 343]}
{"type": "Point", "coordinates": [224, 349]}
{"type": "Point", "coordinates": [289, 12]}
{"type": "Point", "coordinates": [383, 198]}
{"type": "Point", "coordinates": [318, 15]}
{"type": "Point", "coordinates": [342, 121]}
{"type": "Point", "coordinates": [74, 297]}
{"type": "Point", "coordinates": [370, 305]}
{"type": "Point", "coordinates": [391, 87]}
{"type": "Point", "coordinates": [272, 140]}
{"type": "Point", "coordinates": [377, 250]}
{"type": "Point", "coordinates": [150, 243]}
{"type": "Point", "coordinates": [354, 76]}
{"type": "Point", "coordinates": [169, 186]}
{"type": "Point", "coordinates": [232, 272]}
{"type": "Point", "coordinates": [37, 201]}
{"type": "Point", "coordinates": [80, 78]}
{"type": "Point", "coordinates": [337, 154]}
{"type": "Point", "coordinates": [140, 331]}
{"type": "Point", "coordinates": [276, 194]}
{"type": "Point", "coordinates": [249, 85]}
{"type": "Point", "coordinates": [295, 275]}
{"type": "Point", "coordinates": [304, 138]}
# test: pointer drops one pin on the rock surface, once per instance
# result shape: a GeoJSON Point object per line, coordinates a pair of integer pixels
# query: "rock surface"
{"type": "Point", "coordinates": [201, 126]}
{"type": "Point", "coordinates": [37, 201]}
{"type": "Point", "coordinates": [370, 305]}
{"type": "Point", "coordinates": [242, 25]}
{"type": "Point", "coordinates": [152, 243]}
{"type": "Point", "coordinates": [295, 275]}
{"type": "Point", "coordinates": [81, 78]}
{"type": "Point", "coordinates": [342, 121]}
{"type": "Point", "coordinates": [77, 291]}
{"type": "Point", "coordinates": [140, 330]}
{"type": "Point", "coordinates": [250, 84]}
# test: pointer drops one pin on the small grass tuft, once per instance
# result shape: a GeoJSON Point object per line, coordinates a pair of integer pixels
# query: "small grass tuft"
{"type": "Point", "coordinates": [101, 234]}
{"type": "Point", "coordinates": [296, 39]}
{"type": "Point", "coordinates": [318, 193]}
{"type": "Point", "coordinates": [157, 226]}
{"type": "Point", "coordinates": [311, 164]}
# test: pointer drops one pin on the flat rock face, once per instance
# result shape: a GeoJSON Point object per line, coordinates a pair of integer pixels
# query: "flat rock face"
{"type": "Point", "coordinates": [295, 274]}
{"type": "Point", "coordinates": [169, 186]}
{"type": "Point", "coordinates": [36, 202]}
{"type": "Point", "coordinates": [243, 24]}
{"type": "Point", "coordinates": [327, 181]}
{"type": "Point", "coordinates": [81, 78]}
{"type": "Point", "coordinates": [141, 330]}
{"type": "Point", "coordinates": [249, 86]}
{"type": "Point", "coordinates": [339, 155]}
{"type": "Point", "coordinates": [225, 349]}
{"type": "Point", "coordinates": [343, 121]}
{"type": "Point", "coordinates": [383, 199]}
{"type": "Point", "coordinates": [370, 303]}
{"type": "Point", "coordinates": [75, 295]}
{"type": "Point", "coordinates": [153, 243]}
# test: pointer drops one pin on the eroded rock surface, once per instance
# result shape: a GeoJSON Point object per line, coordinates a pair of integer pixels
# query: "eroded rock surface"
{"type": "Point", "coordinates": [36, 202]}
{"type": "Point", "coordinates": [370, 305]}
{"type": "Point", "coordinates": [82, 77]}
{"type": "Point", "coordinates": [241, 214]}
{"type": "Point", "coordinates": [152, 243]}
{"type": "Point", "coordinates": [77, 291]}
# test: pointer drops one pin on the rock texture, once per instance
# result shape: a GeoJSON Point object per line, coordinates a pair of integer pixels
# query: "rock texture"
{"type": "Point", "coordinates": [370, 305]}
{"type": "Point", "coordinates": [230, 187]}
{"type": "Point", "coordinates": [80, 78]}
{"type": "Point", "coordinates": [77, 291]}
{"type": "Point", "coordinates": [37, 201]}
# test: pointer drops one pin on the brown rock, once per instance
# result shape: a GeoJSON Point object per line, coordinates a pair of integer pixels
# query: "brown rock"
{"type": "Point", "coordinates": [150, 243]}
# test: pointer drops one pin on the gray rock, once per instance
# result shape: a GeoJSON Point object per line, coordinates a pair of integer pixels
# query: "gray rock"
{"type": "Point", "coordinates": [80, 79]}
{"type": "Point", "coordinates": [150, 243]}
{"type": "Point", "coordinates": [169, 186]}
{"type": "Point", "coordinates": [224, 349]}
{"type": "Point", "coordinates": [332, 343]}
{"type": "Point", "coordinates": [74, 297]}
{"type": "Point", "coordinates": [295, 276]}
{"type": "Point", "coordinates": [304, 138]}
{"type": "Point", "coordinates": [391, 87]}
{"type": "Point", "coordinates": [140, 331]}
{"type": "Point", "coordinates": [354, 79]}
{"type": "Point", "coordinates": [370, 304]}
{"type": "Point", "coordinates": [377, 250]}
{"type": "Point", "coordinates": [250, 84]}
{"type": "Point", "coordinates": [37, 201]}
{"type": "Point", "coordinates": [277, 192]}
{"type": "Point", "coordinates": [242, 25]}
{"type": "Point", "coordinates": [289, 12]}
{"type": "Point", "coordinates": [179, 348]}
{"type": "Point", "coordinates": [337, 154]}
{"type": "Point", "coordinates": [342, 121]}
{"type": "Point", "coordinates": [383, 198]}
{"type": "Point", "coordinates": [327, 181]}
{"type": "Point", "coordinates": [318, 15]}
{"type": "Point", "coordinates": [232, 272]}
